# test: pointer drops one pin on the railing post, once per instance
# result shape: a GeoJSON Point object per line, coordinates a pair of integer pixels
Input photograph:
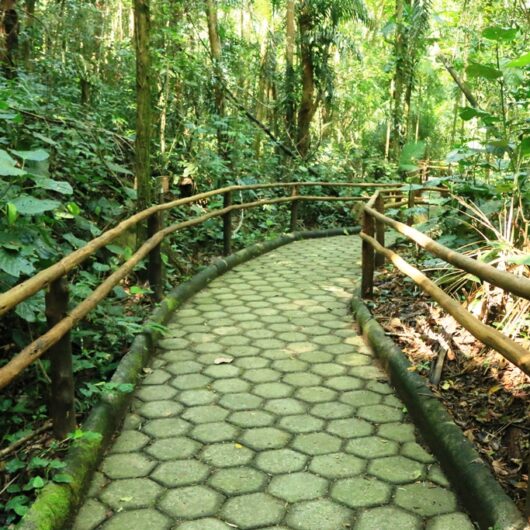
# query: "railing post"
{"type": "Point", "coordinates": [155, 267]}
{"type": "Point", "coordinates": [294, 209]}
{"type": "Point", "coordinates": [380, 230]}
{"type": "Point", "coordinates": [227, 224]}
{"type": "Point", "coordinates": [62, 396]}
{"type": "Point", "coordinates": [368, 256]}
{"type": "Point", "coordinates": [410, 204]}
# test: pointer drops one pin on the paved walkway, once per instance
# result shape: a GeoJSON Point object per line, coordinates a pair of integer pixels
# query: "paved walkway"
{"type": "Point", "coordinates": [265, 410]}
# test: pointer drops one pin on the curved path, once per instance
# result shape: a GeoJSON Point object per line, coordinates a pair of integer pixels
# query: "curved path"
{"type": "Point", "coordinates": [264, 409]}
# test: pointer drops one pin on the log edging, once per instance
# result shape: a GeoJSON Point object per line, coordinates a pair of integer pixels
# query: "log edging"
{"type": "Point", "coordinates": [479, 492]}
{"type": "Point", "coordinates": [56, 504]}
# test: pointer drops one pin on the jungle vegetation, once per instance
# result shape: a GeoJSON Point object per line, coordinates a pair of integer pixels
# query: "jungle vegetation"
{"type": "Point", "coordinates": [107, 106]}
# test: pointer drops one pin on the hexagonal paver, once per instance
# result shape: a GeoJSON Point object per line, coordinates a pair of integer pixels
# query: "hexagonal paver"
{"type": "Point", "coordinates": [285, 406]}
{"type": "Point", "coordinates": [222, 371]}
{"type": "Point", "coordinates": [290, 365]}
{"type": "Point", "coordinates": [316, 443]}
{"type": "Point", "coordinates": [295, 487]}
{"type": "Point", "coordinates": [240, 401]}
{"type": "Point", "coordinates": [337, 465]}
{"type": "Point", "coordinates": [425, 499]}
{"type": "Point", "coordinates": [332, 410]}
{"type": "Point", "coordinates": [172, 448]}
{"type": "Point", "coordinates": [129, 441]}
{"type": "Point", "coordinates": [253, 510]}
{"type": "Point", "coordinates": [227, 455]}
{"type": "Point", "coordinates": [214, 432]}
{"type": "Point", "coordinates": [131, 493]}
{"type": "Point", "coordinates": [380, 413]}
{"type": "Point", "coordinates": [180, 473]}
{"type": "Point", "coordinates": [262, 375]}
{"type": "Point", "coordinates": [184, 382]}
{"type": "Point", "coordinates": [350, 428]}
{"type": "Point", "coordinates": [417, 452]}
{"type": "Point", "coordinates": [191, 502]}
{"type": "Point", "coordinates": [91, 514]}
{"type": "Point", "coordinates": [301, 379]}
{"type": "Point", "coordinates": [372, 447]}
{"type": "Point", "coordinates": [396, 469]}
{"type": "Point", "coordinates": [318, 515]}
{"type": "Point", "coordinates": [300, 423]}
{"type": "Point", "coordinates": [166, 427]}
{"type": "Point", "coordinates": [184, 367]}
{"type": "Point", "coordinates": [458, 521]}
{"type": "Point", "coordinates": [251, 418]}
{"type": "Point", "coordinates": [127, 465]}
{"type": "Point", "coordinates": [261, 438]}
{"type": "Point", "coordinates": [344, 383]}
{"type": "Point", "coordinates": [195, 397]}
{"type": "Point", "coordinates": [249, 363]}
{"type": "Point", "coordinates": [205, 414]}
{"type": "Point", "coordinates": [400, 432]}
{"type": "Point", "coordinates": [230, 385]}
{"type": "Point", "coordinates": [360, 491]}
{"type": "Point", "coordinates": [272, 390]}
{"type": "Point", "coordinates": [390, 518]}
{"type": "Point", "coordinates": [238, 480]}
{"type": "Point", "coordinates": [281, 461]}
{"type": "Point", "coordinates": [159, 409]}
{"type": "Point", "coordinates": [315, 394]}
{"type": "Point", "coordinates": [156, 392]}
{"type": "Point", "coordinates": [147, 519]}
{"type": "Point", "coordinates": [359, 398]}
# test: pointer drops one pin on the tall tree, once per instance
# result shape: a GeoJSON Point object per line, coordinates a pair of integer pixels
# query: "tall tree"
{"type": "Point", "coordinates": [142, 161]}
{"type": "Point", "coordinates": [290, 90]}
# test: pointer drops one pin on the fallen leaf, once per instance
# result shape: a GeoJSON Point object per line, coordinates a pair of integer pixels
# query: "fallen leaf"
{"type": "Point", "coordinates": [223, 360]}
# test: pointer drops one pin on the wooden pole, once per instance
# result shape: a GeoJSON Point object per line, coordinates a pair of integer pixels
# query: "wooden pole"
{"type": "Point", "coordinates": [227, 224]}
{"type": "Point", "coordinates": [380, 229]}
{"type": "Point", "coordinates": [410, 204]}
{"type": "Point", "coordinates": [294, 209]}
{"type": "Point", "coordinates": [60, 355]}
{"type": "Point", "coordinates": [155, 267]}
{"type": "Point", "coordinates": [368, 258]}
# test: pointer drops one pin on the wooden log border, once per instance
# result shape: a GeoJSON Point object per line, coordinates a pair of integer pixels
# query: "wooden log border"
{"type": "Point", "coordinates": [57, 503]}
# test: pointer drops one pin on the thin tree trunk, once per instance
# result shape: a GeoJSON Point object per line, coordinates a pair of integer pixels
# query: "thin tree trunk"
{"type": "Point", "coordinates": [143, 103]}
{"type": "Point", "coordinates": [290, 96]}
{"type": "Point", "coordinates": [399, 83]}
{"type": "Point", "coordinates": [307, 107]}
{"type": "Point", "coordinates": [216, 51]}
{"type": "Point", "coordinates": [9, 27]}
{"type": "Point", "coordinates": [27, 47]}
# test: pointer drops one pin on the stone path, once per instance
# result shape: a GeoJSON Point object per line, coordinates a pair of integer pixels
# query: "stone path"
{"type": "Point", "coordinates": [298, 431]}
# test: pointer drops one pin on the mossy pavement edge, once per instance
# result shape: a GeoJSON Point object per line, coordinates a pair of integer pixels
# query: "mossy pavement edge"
{"type": "Point", "coordinates": [478, 490]}
{"type": "Point", "coordinates": [57, 503]}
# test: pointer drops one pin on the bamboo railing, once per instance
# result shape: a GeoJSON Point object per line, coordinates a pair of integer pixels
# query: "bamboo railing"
{"type": "Point", "coordinates": [373, 234]}
{"type": "Point", "coordinates": [62, 319]}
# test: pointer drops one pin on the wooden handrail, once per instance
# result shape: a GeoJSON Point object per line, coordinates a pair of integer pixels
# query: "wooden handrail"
{"type": "Point", "coordinates": [29, 287]}
{"type": "Point", "coordinates": [510, 349]}
{"type": "Point", "coordinates": [39, 346]}
{"type": "Point", "coordinates": [513, 284]}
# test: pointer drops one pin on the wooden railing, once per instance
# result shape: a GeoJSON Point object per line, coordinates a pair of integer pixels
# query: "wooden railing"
{"type": "Point", "coordinates": [373, 230]}
{"type": "Point", "coordinates": [373, 235]}
{"type": "Point", "coordinates": [61, 319]}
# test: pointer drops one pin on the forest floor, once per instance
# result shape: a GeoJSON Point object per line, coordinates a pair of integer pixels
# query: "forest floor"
{"type": "Point", "coordinates": [485, 394]}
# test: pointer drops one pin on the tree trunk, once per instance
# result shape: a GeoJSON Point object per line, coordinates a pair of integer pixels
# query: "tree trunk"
{"type": "Point", "coordinates": [290, 96]}
{"type": "Point", "coordinates": [9, 27]}
{"type": "Point", "coordinates": [399, 83]}
{"type": "Point", "coordinates": [27, 47]}
{"type": "Point", "coordinates": [216, 51]}
{"type": "Point", "coordinates": [143, 104]}
{"type": "Point", "coordinates": [307, 107]}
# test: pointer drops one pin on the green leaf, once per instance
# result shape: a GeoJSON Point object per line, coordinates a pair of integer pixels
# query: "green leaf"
{"type": "Point", "coordinates": [14, 264]}
{"type": "Point", "coordinates": [411, 152]}
{"type": "Point", "coordinates": [11, 213]}
{"type": "Point", "coordinates": [14, 465]}
{"type": "Point", "coordinates": [27, 205]}
{"type": "Point", "coordinates": [524, 147]}
{"type": "Point", "coordinates": [60, 186]}
{"type": "Point", "coordinates": [37, 462]}
{"type": "Point", "coordinates": [484, 71]}
{"type": "Point", "coordinates": [73, 208]}
{"type": "Point", "coordinates": [500, 34]}
{"type": "Point", "coordinates": [520, 62]}
{"type": "Point", "coordinates": [8, 167]}
{"type": "Point", "coordinates": [62, 478]}
{"type": "Point", "coordinates": [37, 155]}
{"type": "Point", "coordinates": [519, 260]}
